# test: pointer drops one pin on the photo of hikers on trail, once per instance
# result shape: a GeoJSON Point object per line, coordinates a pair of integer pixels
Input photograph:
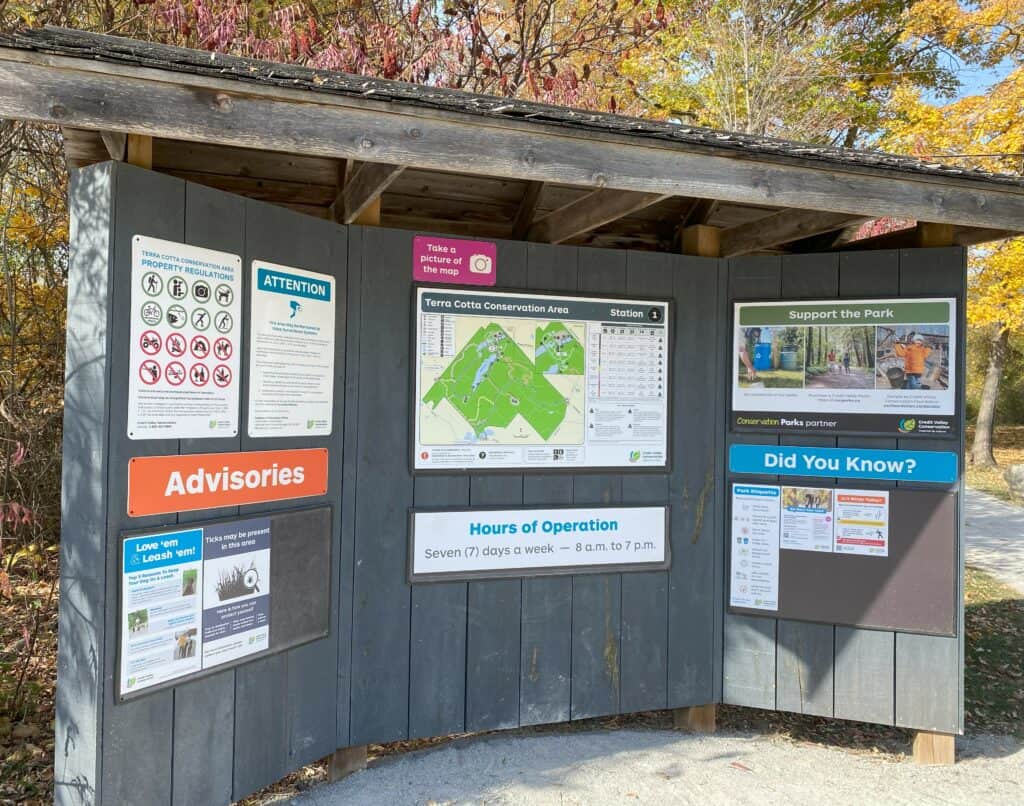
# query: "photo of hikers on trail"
{"type": "Point", "coordinates": [912, 357]}
{"type": "Point", "coordinates": [771, 357]}
{"type": "Point", "coordinates": [840, 357]}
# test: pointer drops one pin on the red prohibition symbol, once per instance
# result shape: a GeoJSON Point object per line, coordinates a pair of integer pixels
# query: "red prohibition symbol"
{"type": "Point", "coordinates": [221, 375]}
{"type": "Point", "coordinates": [222, 349]}
{"type": "Point", "coordinates": [199, 374]}
{"type": "Point", "coordinates": [149, 372]}
{"type": "Point", "coordinates": [150, 342]}
{"type": "Point", "coordinates": [200, 346]}
{"type": "Point", "coordinates": [175, 372]}
{"type": "Point", "coordinates": [176, 345]}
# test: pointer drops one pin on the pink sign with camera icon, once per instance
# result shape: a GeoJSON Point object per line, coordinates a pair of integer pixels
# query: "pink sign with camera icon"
{"type": "Point", "coordinates": [454, 260]}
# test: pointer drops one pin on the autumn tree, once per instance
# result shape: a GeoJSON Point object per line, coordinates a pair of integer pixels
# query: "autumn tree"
{"type": "Point", "coordinates": [984, 131]}
{"type": "Point", "coordinates": [806, 69]}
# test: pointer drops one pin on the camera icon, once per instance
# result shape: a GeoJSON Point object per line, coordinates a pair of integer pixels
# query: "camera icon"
{"type": "Point", "coordinates": [481, 264]}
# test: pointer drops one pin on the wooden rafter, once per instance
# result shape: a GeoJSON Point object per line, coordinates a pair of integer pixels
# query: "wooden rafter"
{"type": "Point", "coordinates": [781, 228]}
{"type": "Point", "coordinates": [527, 210]}
{"type": "Point", "coordinates": [363, 189]}
{"type": "Point", "coordinates": [589, 212]}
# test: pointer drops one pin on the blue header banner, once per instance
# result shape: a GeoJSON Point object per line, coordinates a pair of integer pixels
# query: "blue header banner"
{"type": "Point", "coordinates": [939, 467]}
{"type": "Point", "coordinates": [158, 551]}
{"type": "Point", "coordinates": [293, 285]}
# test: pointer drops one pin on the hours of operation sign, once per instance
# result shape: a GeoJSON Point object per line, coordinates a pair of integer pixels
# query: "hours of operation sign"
{"type": "Point", "coordinates": [186, 316]}
{"type": "Point", "coordinates": [523, 380]}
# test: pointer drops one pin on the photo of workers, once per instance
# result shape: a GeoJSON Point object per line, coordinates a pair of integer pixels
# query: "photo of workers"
{"type": "Point", "coordinates": [912, 357]}
{"type": "Point", "coordinates": [840, 357]}
{"type": "Point", "coordinates": [770, 357]}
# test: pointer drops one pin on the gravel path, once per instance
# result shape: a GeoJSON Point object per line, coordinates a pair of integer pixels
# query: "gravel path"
{"type": "Point", "coordinates": [666, 767]}
{"type": "Point", "coordinates": [995, 538]}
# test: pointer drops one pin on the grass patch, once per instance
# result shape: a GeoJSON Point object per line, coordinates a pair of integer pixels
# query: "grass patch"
{"type": "Point", "coordinates": [994, 673]}
{"type": "Point", "coordinates": [1009, 450]}
{"type": "Point", "coordinates": [775, 379]}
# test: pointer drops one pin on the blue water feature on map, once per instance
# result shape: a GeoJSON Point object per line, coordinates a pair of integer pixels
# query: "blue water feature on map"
{"type": "Point", "coordinates": [481, 372]}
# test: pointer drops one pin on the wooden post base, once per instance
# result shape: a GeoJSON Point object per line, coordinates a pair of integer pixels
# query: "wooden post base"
{"type": "Point", "coordinates": [695, 719]}
{"type": "Point", "coordinates": [346, 761]}
{"type": "Point", "coordinates": [934, 748]}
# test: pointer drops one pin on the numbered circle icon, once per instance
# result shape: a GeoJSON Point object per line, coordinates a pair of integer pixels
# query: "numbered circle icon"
{"type": "Point", "coordinates": [176, 345]}
{"type": "Point", "coordinates": [222, 349]}
{"type": "Point", "coordinates": [200, 319]}
{"type": "Point", "coordinates": [201, 291]}
{"type": "Point", "coordinates": [175, 372]}
{"type": "Point", "coordinates": [200, 346]}
{"type": "Point", "coordinates": [225, 294]}
{"type": "Point", "coordinates": [199, 375]}
{"type": "Point", "coordinates": [177, 317]}
{"type": "Point", "coordinates": [177, 287]}
{"type": "Point", "coordinates": [222, 375]}
{"type": "Point", "coordinates": [151, 313]}
{"type": "Point", "coordinates": [149, 372]}
{"type": "Point", "coordinates": [223, 322]}
{"type": "Point", "coordinates": [150, 342]}
{"type": "Point", "coordinates": [152, 283]}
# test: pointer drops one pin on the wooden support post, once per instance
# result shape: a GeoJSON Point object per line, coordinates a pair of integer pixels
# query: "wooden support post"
{"type": "Point", "coordinates": [702, 240]}
{"type": "Point", "coordinates": [140, 151]}
{"type": "Point", "coordinates": [696, 718]}
{"type": "Point", "coordinates": [370, 216]}
{"type": "Point", "coordinates": [929, 234]}
{"type": "Point", "coordinates": [934, 748]}
{"type": "Point", "coordinates": [342, 763]}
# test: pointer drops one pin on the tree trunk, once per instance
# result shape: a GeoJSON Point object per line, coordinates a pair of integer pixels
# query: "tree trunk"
{"type": "Point", "coordinates": [981, 448]}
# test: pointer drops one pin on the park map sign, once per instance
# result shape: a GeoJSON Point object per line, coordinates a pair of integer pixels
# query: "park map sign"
{"type": "Point", "coordinates": [516, 380]}
{"type": "Point", "coordinates": [883, 366]}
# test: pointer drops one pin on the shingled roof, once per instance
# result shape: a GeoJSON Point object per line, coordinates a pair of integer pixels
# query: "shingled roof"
{"type": "Point", "coordinates": [78, 44]}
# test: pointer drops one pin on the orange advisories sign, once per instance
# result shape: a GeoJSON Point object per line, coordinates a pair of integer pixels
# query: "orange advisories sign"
{"type": "Point", "coordinates": [161, 484]}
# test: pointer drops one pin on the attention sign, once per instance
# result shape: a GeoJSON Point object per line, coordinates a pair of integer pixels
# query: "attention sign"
{"type": "Point", "coordinates": [163, 484]}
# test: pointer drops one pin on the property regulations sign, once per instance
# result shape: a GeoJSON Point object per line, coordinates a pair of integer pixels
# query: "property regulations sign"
{"type": "Point", "coordinates": [464, 544]}
{"type": "Point", "coordinates": [291, 352]}
{"type": "Point", "coordinates": [186, 314]}
{"type": "Point", "coordinates": [193, 599]}
{"type": "Point", "coordinates": [517, 380]}
{"type": "Point", "coordinates": [885, 366]}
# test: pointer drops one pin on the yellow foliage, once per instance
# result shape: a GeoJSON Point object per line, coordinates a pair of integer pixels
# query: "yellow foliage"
{"type": "Point", "coordinates": [985, 129]}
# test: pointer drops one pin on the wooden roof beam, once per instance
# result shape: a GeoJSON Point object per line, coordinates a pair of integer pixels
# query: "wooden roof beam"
{"type": "Point", "coordinates": [699, 213]}
{"type": "Point", "coordinates": [363, 188]}
{"type": "Point", "coordinates": [781, 228]}
{"type": "Point", "coordinates": [92, 94]}
{"type": "Point", "coordinates": [589, 212]}
{"type": "Point", "coordinates": [910, 237]}
{"type": "Point", "coordinates": [116, 144]}
{"type": "Point", "coordinates": [527, 209]}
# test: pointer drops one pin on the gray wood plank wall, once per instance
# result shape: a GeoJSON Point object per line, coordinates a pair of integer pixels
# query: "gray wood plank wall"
{"type": "Point", "coordinates": [406, 661]}
{"type": "Point", "coordinates": [219, 737]}
{"type": "Point", "coordinates": [489, 654]}
{"type": "Point", "coordinates": [834, 670]}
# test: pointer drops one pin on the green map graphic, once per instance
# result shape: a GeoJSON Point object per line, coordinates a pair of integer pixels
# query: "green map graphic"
{"type": "Point", "coordinates": [491, 380]}
{"type": "Point", "coordinates": [558, 351]}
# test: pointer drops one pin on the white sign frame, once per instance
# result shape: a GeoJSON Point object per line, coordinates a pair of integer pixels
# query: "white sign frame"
{"type": "Point", "coordinates": [319, 316]}
{"type": "Point", "coordinates": [169, 348]}
{"type": "Point", "coordinates": [648, 454]}
{"type": "Point", "coordinates": [429, 526]}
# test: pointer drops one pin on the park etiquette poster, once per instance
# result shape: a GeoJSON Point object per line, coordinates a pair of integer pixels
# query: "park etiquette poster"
{"type": "Point", "coordinates": [882, 366]}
